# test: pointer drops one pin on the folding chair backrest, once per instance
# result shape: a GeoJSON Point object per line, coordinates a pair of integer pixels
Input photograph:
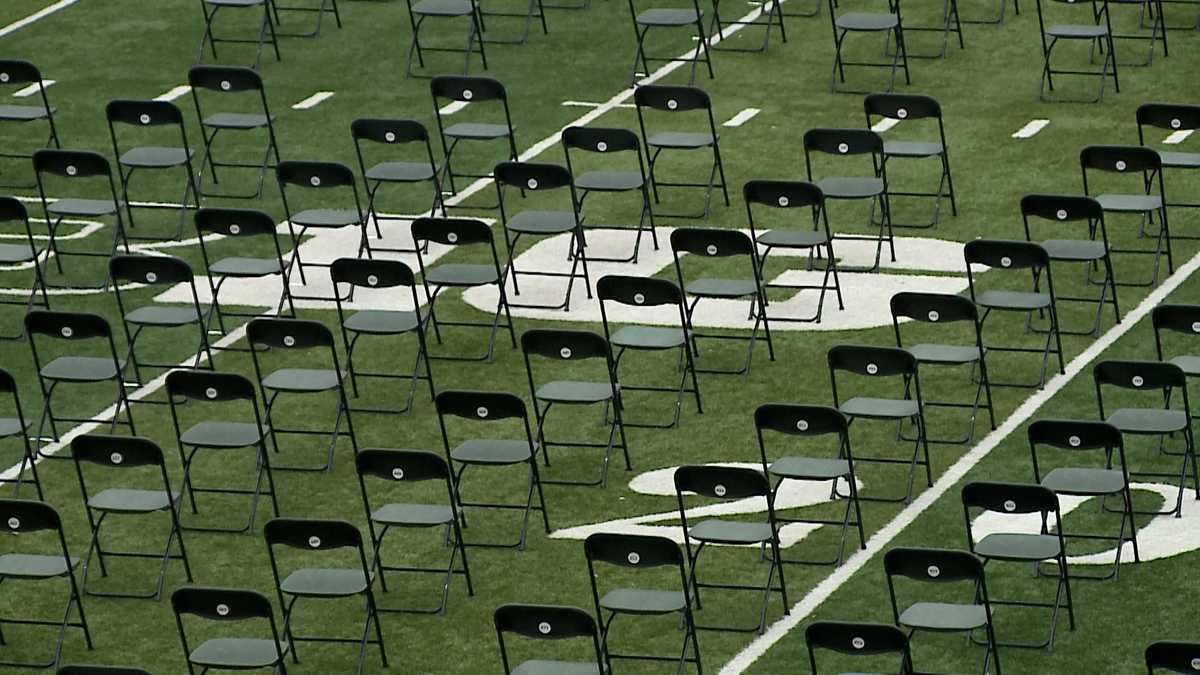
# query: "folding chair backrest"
{"type": "Point", "coordinates": [872, 361]}
{"type": "Point", "coordinates": [8, 384]}
{"type": "Point", "coordinates": [67, 325]}
{"type": "Point", "coordinates": [632, 550]}
{"type": "Point", "coordinates": [1061, 208]}
{"type": "Point", "coordinates": [782, 194]}
{"type": "Point", "coordinates": [317, 175]}
{"type": "Point", "coordinates": [206, 385]}
{"type": "Point", "coordinates": [70, 163]}
{"type": "Point", "coordinates": [451, 231]}
{"type": "Point", "coordinates": [224, 78]}
{"type": "Point", "coordinates": [1177, 318]}
{"type": "Point", "coordinates": [479, 405]}
{"type": "Point", "coordinates": [150, 269]}
{"type": "Point", "coordinates": [1005, 254]}
{"type": "Point", "coordinates": [1074, 434]}
{"type": "Point", "coordinates": [312, 534]}
{"type": "Point", "coordinates": [796, 419]}
{"type": "Point", "coordinates": [600, 139]}
{"type": "Point", "coordinates": [23, 515]}
{"type": "Point", "coordinates": [371, 273]}
{"type": "Point", "coordinates": [1119, 159]}
{"type": "Point", "coordinates": [638, 291]}
{"type": "Point", "coordinates": [15, 72]}
{"type": "Point", "coordinates": [221, 604]}
{"type": "Point", "coordinates": [1177, 657]}
{"type": "Point", "coordinates": [856, 638]}
{"type": "Point", "coordinates": [389, 131]}
{"type": "Point", "coordinates": [116, 451]}
{"type": "Point", "coordinates": [902, 106]}
{"type": "Point", "coordinates": [99, 670]}
{"type": "Point", "coordinates": [566, 345]}
{"type": "Point", "coordinates": [711, 242]}
{"type": "Point", "coordinates": [532, 175]}
{"type": "Point", "coordinates": [1011, 498]}
{"type": "Point", "coordinates": [289, 333]}
{"type": "Point", "coordinates": [11, 209]}
{"type": "Point", "coordinates": [842, 142]}
{"type": "Point", "coordinates": [936, 565]}
{"type": "Point", "coordinates": [467, 89]}
{"type": "Point", "coordinates": [932, 307]}
{"type": "Point", "coordinates": [721, 482]}
{"type": "Point", "coordinates": [401, 465]}
{"type": "Point", "coordinates": [234, 222]}
{"type": "Point", "coordinates": [671, 98]}
{"type": "Point", "coordinates": [544, 622]}
{"type": "Point", "coordinates": [1140, 375]}
{"type": "Point", "coordinates": [143, 113]}
{"type": "Point", "coordinates": [1170, 116]}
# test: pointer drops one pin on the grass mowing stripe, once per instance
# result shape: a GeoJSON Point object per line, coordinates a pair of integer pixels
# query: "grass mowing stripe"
{"type": "Point", "coordinates": [875, 545]}
{"type": "Point", "coordinates": [36, 16]}
{"type": "Point", "coordinates": [1030, 129]}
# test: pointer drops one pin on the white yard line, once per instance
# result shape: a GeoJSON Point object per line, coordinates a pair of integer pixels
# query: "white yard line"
{"type": "Point", "coordinates": [173, 93]}
{"type": "Point", "coordinates": [453, 107]}
{"type": "Point", "coordinates": [1177, 137]}
{"type": "Point", "coordinates": [1030, 129]}
{"type": "Point", "coordinates": [33, 89]}
{"type": "Point", "coordinates": [38, 15]}
{"type": "Point", "coordinates": [590, 104]}
{"type": "Point", "coordinates": [885, 124]}
{"type": "Point", "coordinates": [313, 101]}
{"type": "Point", "coordinates": [882, 538]}
{"type": "Point", "coordinates": [741, 118]}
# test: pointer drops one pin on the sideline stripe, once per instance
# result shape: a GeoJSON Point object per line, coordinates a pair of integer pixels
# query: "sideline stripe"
{"type": "Point", "coordinates": [1178, 136]}
{"type": "Point", "coordinates": [1031, 128]}
{"type": "Point", "coordinates": [878, 541]}
{"type": "Point", "coordinates": [173, 93]}
{"type": "Point", "coordinates": [313, 101]}
{"type": "Point", "coordinates": [36, 16]}
{"type": "Point", "coordinates": [33, 89]}
{"type": "Point", "coordinates": [741, 118]}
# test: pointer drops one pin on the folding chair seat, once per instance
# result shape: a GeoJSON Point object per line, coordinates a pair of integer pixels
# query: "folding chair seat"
{"type": "Point", "coordinates": [602, 141]}
{"type": "Point", "coordinates": [1090, 251]}
{"type": "Point", "coordinates": [312, 337]}
{"type": "Point", "coordinates": [83, 669]}
{"type": "Point", "coordinates": [573, 346]}
{"type": "Point", "coordinates": [411, 466]}
{"type": "Point", "coordinates": [633, 553]}
{"type": "Point", "coordinates": [19, 75]}
{"type": "Point", "coordinates": [320, 177]}
{"type": "Point", "coordinates": [18, 427]}
{"type": "Point", "coordinates": [941, 309]}
{"type": "Point", "coordinates": [714, 243]}
{"type": "Point", "coordinates": [38, 522]}
{"type": "Point", "coordinates": [652, 294]}
{"type": "Point", "coordinates": [147, 116]}
{"type": "Point", "coordinates": [771, 15]}
{"type": "Point", "coordinates": [152, 271]}
{"type": "Point", "coordinates": [348, 580]}
{"type": "Point", "coordinates": [1147, 165]}
{"type": "Point", "coordinates": [872, 188]}
{"type": "Point", "coordinates": [1014, 256]}
{"type": "Point", "coordinates": [1077, 437]}
{"type": "Point", "coordinates": [1022, 500]}
{"type": "Point", "coordinates": [494, 453]}
{"type": "Point", "coordinates": [322, 8]}
{"type": "Point", "coordinates": [669, 100]}
{"type": "Point", "coordinates": [532, 177]}
{"type": "Point", "coordinates": [22, 255]}
{"type": "Point", "coordinates": [730, 483]}
{"type": "Point", "coordinates": [143, 466]}
{"type": "Point", "coordinates": [219, 433]}
{"type": "Point", "coordinates": [859, 639]}
{"type": "Point", "coordinates": [680, 15]}
{"type": "Point", "coordinates": [1175, 657]}
{"type": "Point", "coordinates": [941, 566]}
{"type": "Point", "coordinates": [66, 365]}
{"type": "Point", "coordinates": [241, 89]}
{"type": "Point", "coordinates": [816, 241]}
{"type": "Point", "coordinates": [224, 605]}
{"type": "Point", "coordinates": [1158, 28]}
{"type": "Point", "coordinates": [56, 169]}
{"type": "Point", "coordinates": [474, 91]}
{"type": "Point", "coordinates": [422, 10]}
{"type": "Point", "coordinates": [1175, 118]}
{"type": "Point", "coordinates": [812, 424]}
{"type": "Point", "coordinates": [547, 622]}
{"type": "Point", "coordinates": [465, 232]}
{"type": "Point", "coordinates": [1162, 380]}
{"type": "Point", "coordinates": [888, 23]}
{"type": "Point", "coordinates": [891, 362]}
{"type": "Point", "coordinates": [266, 28]}
{"type": "Point", "coordinates": [365, 276]}
{"type": "Point", "coordinates": [1098, 36]}
{"type": "Point", "coordinates": [910, 108]}
{"type": "Point", "coordinates": [394, 172]}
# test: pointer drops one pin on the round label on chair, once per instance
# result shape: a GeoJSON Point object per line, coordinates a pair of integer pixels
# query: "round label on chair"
{"type": "Point", "coordinates": [1175, 123]}
{"type": "Point", "coordinates": [315, 181]}
{"type": "Point", "coordinates": [933, 315]}
{"type": "Point", "coordinates": [633, 558]}
{"type": "Point", "coordinates": [390, 137]}
{"type": "Point", "coordinates": [1120, 165]}
{"type": "Point", "coordinates": [235, 229]}
{"type": "Point", "coordinates": [398, 473]}
{"type": "Point", "coordinates": [843, 148]}
{"type": "Point", "coordinates": [211, 392]}
{"type": "Point", "coordinates": [532, 183]}
{"type": "Point", "coordinates": [1138, 381]}
{"type": "Point", "coordinates": [1074, 441]}
{"type": "Point", "coordinates": [67, 331]}
{"type": "Point", "coordinates": [872, 369]}
{"type": "Point", "coordinates": [784, 201]}
{"type": "Point", "coordinates": [225, 85]}
{"type": "Point", "coordinates": [857, 642]}
{"type": "Point", "coordinates": [468, 94]}
{"type": "Point", "coordinates": [602, 147]}
{"type": "Point", "coordinates": [223, 609]}
{"type": "Point", "coordinates": [719, 490]}
{"type": "Point", "coordinates": [565, 352]}
{"type": "Point", "coordinates": [640, 298]}
{"type": "Point", "coordinates": [1196, 664]}
{"type": "Point", "coordinates": [71, 170]}
{"type": "Point", "coordinates": [544, 628]}
{"type": "Point", "coordinates": [116, 458]}
{"type": "Point", "coordinates": [672, 104]}
{"type": "Point", "coordinates": [1010, 505]}
{"type": "Point", "coordinates": [151, 277]}
{"type": "Point", "coordinates": [802, 425]}
{"type": "Point", "coordinates": [144, 118]}
{"type": "Point", "coordinates": [712, 249]}
{"type": "Point", "coordinates": [902, 112]}
{"type": "Point", "coordinates": [1006, 261]}
{"type": "Point", "coordinates": [1062, 214]}
{"type": "Point", "coordinates": [14, 523]}
{"type": "Point", "coordinates": [372, 280]}
{"type": "Point", "coordinates": [1196, 326]}
{"type": "Point", "coordinates": [481, 411]}
{"type": "Point", "coordinates": [289, 341]}
{"type": "Point", "coordinates": [3, 77]}
{"type": "Point", "coordinates": [314, 541]}
{"type": "Point", "coordinates": [452, 237]}
{"type": "Point", "coordinates": [933, 571]}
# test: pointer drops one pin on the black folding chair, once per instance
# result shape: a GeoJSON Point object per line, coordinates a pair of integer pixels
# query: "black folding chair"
{"type": "Point", "coordinates": [813, 423]}
{"type": "Point", "coordinates": [218, 433]}
{"type": "Point", "coordinates": [602, 141]}
{"type": "Point", "coordinates": [872, 188]}
{"type": "Point", "coordinates": [394, 171]}
{"type": "Point", "coordinates": [1146, 164]}
{"type": "Point", "coordinates": [321, 177]}
{"type": "Point", "coordinates": [1020, 499]}
{"type": "Point", "coordinates": [266, 28]}
{"type": "Point", "coordinates": [1175, 118]}
{"type": "Point", "coordinates": [715, 243]}
{"type": "Point", "coordinates": [17, 427]}
{"type": "Point", "coordinates": [1015, 256]}
{"type": "Point", "coordinates": [22, 255]}
{"type": "Point", "coordinates": [466, 91]}
{"type": "Point", "coordinates": [729, 483]}
{"type": "Point", "coordinates": [1175, 657]}
{"type": "Point", "coordinates": [322, 8]}
{"type": "Point", "coordinates": [408, 467]}
{"type": "Point", "coordinates": [1077, 437]}
{"type": "Point", "coordinates": [532, 177]}
{"type": "Point", "coordinates": [547, 622]}
{"type": "Point", "coordinates": [422, 10]}
{"type": "Point", "coordinates": [633, 552]}
{"type": "Point", "coordinates": [22, 74]}
{"type": "Point", "coordinates": [456, 232]}
{"type": "Point", "coordinates": [1091, 251]}
{"type": "Point", "coordinates": [888, 23]}
{"type": "Point", "coordinates": [860, 639]}
{"type": "Point", "coordinates": [312, 337]}
{"type": "Point", "coordinates": [652, 294]}
{"type": "Point", "coordinates": [152, 271]}
{"type": "Point", "coordinates": [224, 605]}
{"type": "Point", "coordinates": [770, 15]}
{"type": "Point", "coordinates": [688, 16]}
{"type": "Point", "coordinates": [573, 346]}
{"type": "Point", "coordinates": [816, 241]}
{"type": "Point", "coordinates": [63, 366]}
{"type": "Point", "coordinates": [668, 100]}
{"type": "Point", "coordinates": [127, 455]}
{"type": "Point", "coordinates": [241, 88]}
{"type": "Point", "coordinates": [321, 537]}
{"type": "Point", "coordinates": [31, 519]}
{"type": "Point", "coordinates": [1183, 319]}
{"type": "Point", "coordinates": [941, 566]}
{"type": "Point", "coordinates": [146, 116]}
{"type": "Point", "coordinates": [1096, 34]}
{"type": "Point", "coordinates": [55, 169]}
{"type": "Point", "coordinates": [484, 406]}
{"type": "Point", "coordinates": [941, 309]}
{"type": "Point", "coordinates": [1162, 380]}
{"type": "Point", "coordinates": [891, 362]}
{"type": "Point", "coordinates": [910, 108]}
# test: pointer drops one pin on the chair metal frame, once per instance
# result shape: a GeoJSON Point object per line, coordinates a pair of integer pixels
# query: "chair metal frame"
{"type": "Point", "coordinates": [1105, 40]}
{"type": "Point", "coordinates": [17, 427]}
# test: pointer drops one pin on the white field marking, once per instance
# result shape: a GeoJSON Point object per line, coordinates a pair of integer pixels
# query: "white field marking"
{"type": "Point", "coordinates": [33, 89]}
{"type": "Point", "coordinates": [453, 107]}
{"type": "Point", "coordinates": [1178, 137]}
{"type": "Point", "coordinates": [885, 124]}
{"type": "Point", "coordinates": [741, 118]}
{"type": "Point", "coordinates": [955, 473]}
{"type": "Point", "coordinates": [589, 104]}
{"type": "Point", "coordinates": [1030, 129]}
{"type": "Point", "coordinates": [313, 101]}
{"type": "Point", "coordinates": [40, 14]}
{"type": "Point", "coordinates": [173, 93]}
